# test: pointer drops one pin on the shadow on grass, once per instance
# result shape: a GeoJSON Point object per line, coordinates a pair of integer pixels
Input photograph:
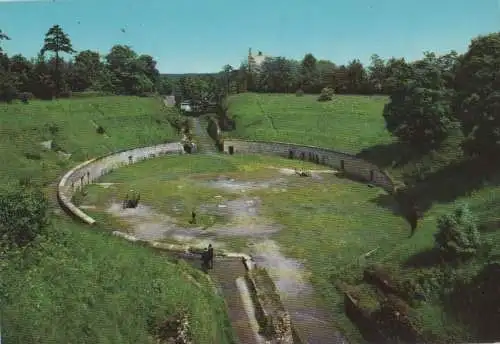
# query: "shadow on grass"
{"type": "Point", "coordinates": [477, 303]}
{"type": "Point", "coordinates": [389, 155]}
{"type": "Point", "coordinates": [455, 180]}
{"type": "Point", "coordinates": [424, 259]}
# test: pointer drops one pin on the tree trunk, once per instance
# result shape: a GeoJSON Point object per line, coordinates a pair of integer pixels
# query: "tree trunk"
{"type": "Point", "coordinates": [58, 86]}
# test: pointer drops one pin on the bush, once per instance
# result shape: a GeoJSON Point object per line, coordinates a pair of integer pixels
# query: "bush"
{"type": "Point", "coordinates": [299, 92]}
{"type": "Point", "coordinates": [65, 94]}
{"type": "Point", "coordinates": [326, 94]}
{"type": "Point", "coordinates": [100, 130]}
{"type": "Point", "coordinates": [55, 146]}
{"type": "Point", "coordinates": [25, 97]}
{"type": "Point", "coordinates": [24, 216]}
{"type": "Point", "coordinates": [52, 128]}
{"type": "Point", "coordinates": [32, 156]}
{"type": "Point", "coordinates": [458, 236]}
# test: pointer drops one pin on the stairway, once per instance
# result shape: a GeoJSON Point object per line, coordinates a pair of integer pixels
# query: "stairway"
{"type": "Point", "coordinates": [204, 141]}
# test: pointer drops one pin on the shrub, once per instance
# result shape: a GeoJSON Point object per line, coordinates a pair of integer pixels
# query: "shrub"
{"type": "Point", "coordinates": [23, 216]}
{"type": "Point", "coordinates": [299, 92]}
{"type": "Point", "coordinates": [33, 156]}
{"type": "Point", "coordinates": [100, 130]}
{"type": "Point", "coordinates": [53, 128]}
{"type": "Point", "coordinates": [458, 235]}
{"type": "Point", "coordinates": [55, 146]}
{"type": "Point", "coordinates": [326, 94]}
{"type": "Point", "coordinates": [65, 94]}
{"type": "Point", "coordinates": [25, 97]}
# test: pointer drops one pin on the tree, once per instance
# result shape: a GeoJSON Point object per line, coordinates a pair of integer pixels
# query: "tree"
{"type": "Point", "coordinates": [86, 70]}
{"type": "Point", "coordinates": [226, 75]}
{"type": "Point", "coordinates": [377, 74]}
{"type": "Point", "coordinates": [419, 112]}
{"type": "Point", "coordinates": [41, 80]}
{"type": "Point", "coordinates": [458, 235]}
{"type": "Point", "coordinates": [477, 102]}
{"type": "Point", "coordinates": [129, 73]}
{"type": "Point", "coordinates": [23, 216]}
{"type": "Point", "coordinates": [164, 86]}
{"type": "Point", "coordinates": [277, 75]}
{"type": "Point", "coordinates": [326, 74]}
{"type": "Point", "coordinates": [3, 37]}
{"type": "Point", "coordinates": [308, 73]}
{"type": "Point", "coordinates": [357, 77]}
{"type": "Point", "coordinates": [57, 41]}
{"type": "Point", "coordinates": [148, 66]}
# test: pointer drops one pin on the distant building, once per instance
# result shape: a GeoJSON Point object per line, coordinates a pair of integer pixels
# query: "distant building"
{"type": "Point", "coordinates": [186, 106]}
{"type": "Point", "coordinates": [255, 60]}
{"type": "Point", "coordinates": [170, 100]}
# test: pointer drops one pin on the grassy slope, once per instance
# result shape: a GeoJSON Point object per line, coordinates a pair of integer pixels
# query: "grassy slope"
{"type": "Point", "coordinates": [128, 122]}
{"type": "Point", "coordinates": [346, 124]}
{"type": "Point", "coordinates": [83, 286]}
{"type": "Point", "coordinates": [355, 124]}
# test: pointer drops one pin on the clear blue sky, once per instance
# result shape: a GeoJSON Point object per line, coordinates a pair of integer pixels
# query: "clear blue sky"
{"type": "Point", "coordinates": [203, 35]}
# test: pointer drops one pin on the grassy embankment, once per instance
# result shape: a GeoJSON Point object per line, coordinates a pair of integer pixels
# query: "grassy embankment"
{"type": "Point", "coordinates": [81, 285]}
{"type": "Point", "coordinates": [330, 236]}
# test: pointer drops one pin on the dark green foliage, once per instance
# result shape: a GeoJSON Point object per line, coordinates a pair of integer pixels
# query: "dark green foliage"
{"type": "Point", "coordinates": [420, 109]}
{"type": "Point", "coordinates": [478, 95]}
{"type": "Point", "coordinates": [326, 94]}
{"type": "Point", "coordinates": [25, 97]}
{"type": "Point", "coordinates": [131, 200]}
{"type": "Point", "coordinates": [23, 216]}
{"type": "Point", "coordinates": [458, 236]}
{"type": "Point", "coordinates": [100, 130]}
{"type": "Point", "coordinates": [8, 90]}
{"type": "Point", "coordinates": [32, 156]}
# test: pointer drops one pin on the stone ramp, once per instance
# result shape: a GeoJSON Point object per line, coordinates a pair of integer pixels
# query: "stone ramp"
{"type": "Point", "coordinates": [205, 143]}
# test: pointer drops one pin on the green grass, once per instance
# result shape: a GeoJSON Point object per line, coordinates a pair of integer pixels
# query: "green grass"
{"type": "Point", "coordinates": [81, 285]}
{"type": "Point", "coordinates": [348, 123]}
{"type": "Point", "coordinates": [322, 218]}
{"type": "Point", "coordinates": [354, 124]}
{"type": "Point", "coordinates": [128, 121]}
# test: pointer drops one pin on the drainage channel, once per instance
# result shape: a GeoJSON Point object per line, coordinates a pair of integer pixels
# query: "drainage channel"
{"type": "Point", "coordinates": [229, 275]}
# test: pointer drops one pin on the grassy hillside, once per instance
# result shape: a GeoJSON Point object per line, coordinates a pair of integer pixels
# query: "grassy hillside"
{"type": "Point", "coordinates": [80, 285]}
{"type": "Point", "coordinates": [349, 123]}
{"type": "Point", "coordinates": [71, 125]}
{"type": "Point", "coordinates": [441, 179]}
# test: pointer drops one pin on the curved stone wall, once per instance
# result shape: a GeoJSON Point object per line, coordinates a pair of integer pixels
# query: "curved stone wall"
{"type": "Point", "coordinates": [328, 157]}
{"type": "Point", "coordinates": [93, 169]}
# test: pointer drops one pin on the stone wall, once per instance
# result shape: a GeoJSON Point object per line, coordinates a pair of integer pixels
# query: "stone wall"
{"type": "Point", "coordinates": [274, 320]}
{"type": "Point", "coordinates": [91, 170]}
{"type": "Point", "coordinates": [328, 157]}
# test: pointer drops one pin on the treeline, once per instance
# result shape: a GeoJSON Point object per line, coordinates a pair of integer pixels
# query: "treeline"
{"type": "Point", "coordinates": [121, 71]}
{"type": "Point", "coordinates": [428, 98]}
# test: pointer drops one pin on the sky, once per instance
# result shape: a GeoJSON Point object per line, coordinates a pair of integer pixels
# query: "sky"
{"type": "Point", "coordinates": [196, 36]}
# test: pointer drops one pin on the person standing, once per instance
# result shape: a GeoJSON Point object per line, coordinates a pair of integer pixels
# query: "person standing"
{"type": "Point", "coordinates": [210, 256]}
{"type": "Point", "coordinates": [204, 260]}
{"type": "Point", "coordinates": [193, 216]}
